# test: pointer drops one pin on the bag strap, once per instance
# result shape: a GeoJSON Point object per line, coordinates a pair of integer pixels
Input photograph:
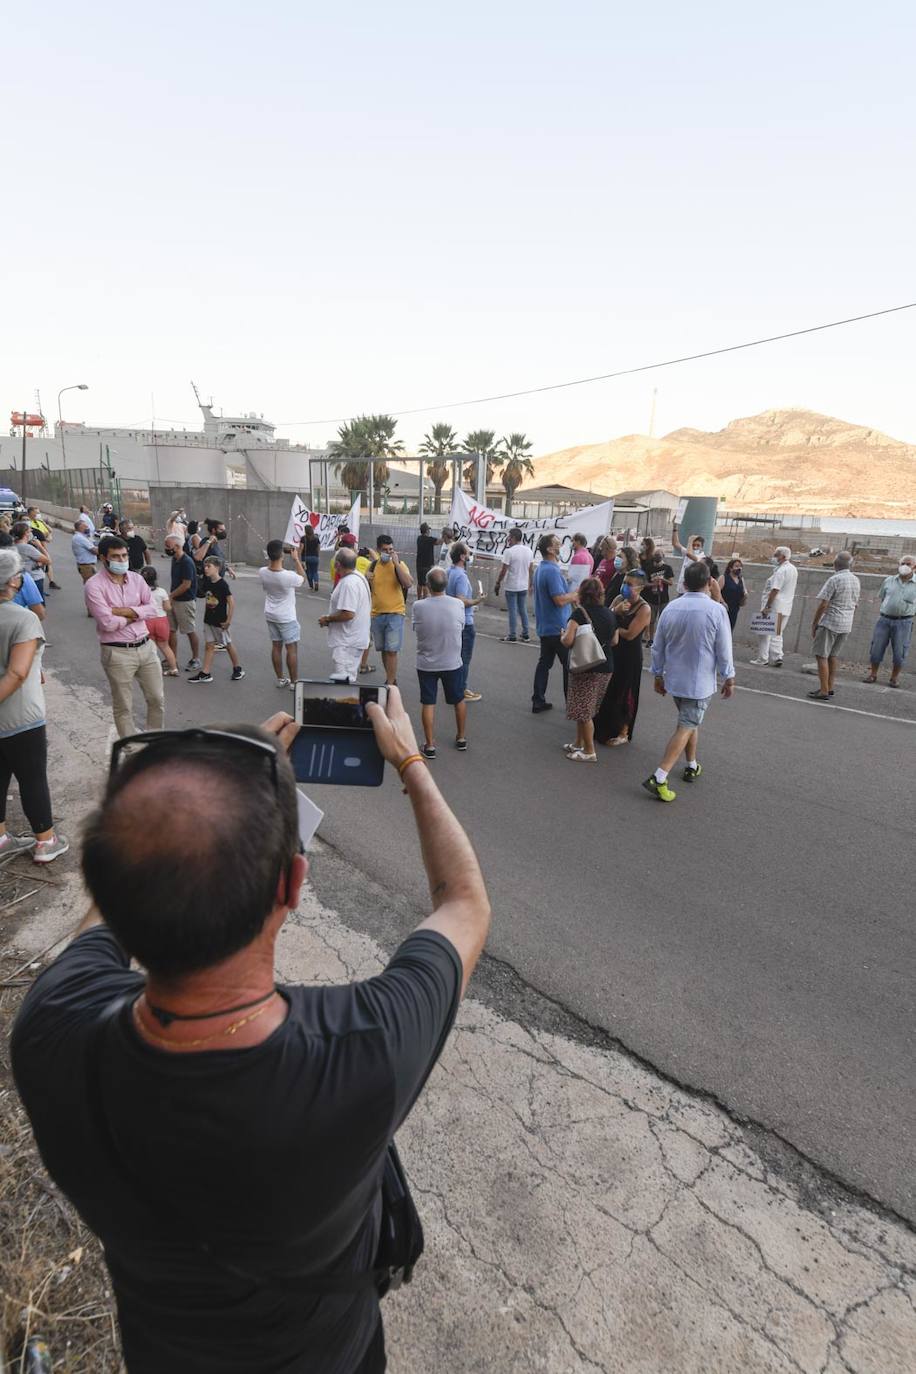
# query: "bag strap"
{"type": "Point", "coordinates": [160, 1207]}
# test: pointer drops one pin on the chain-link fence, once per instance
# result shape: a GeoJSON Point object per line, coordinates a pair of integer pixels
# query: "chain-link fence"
{"type": "Point", "coordinates": [80, 487]}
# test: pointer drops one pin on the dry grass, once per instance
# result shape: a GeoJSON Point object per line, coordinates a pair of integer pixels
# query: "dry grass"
{"type": "Point", "coordinates": [53, 1280]}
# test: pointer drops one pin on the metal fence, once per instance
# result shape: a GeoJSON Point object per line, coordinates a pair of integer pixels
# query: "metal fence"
{"type": "Point", "coordinates": [80, 487]}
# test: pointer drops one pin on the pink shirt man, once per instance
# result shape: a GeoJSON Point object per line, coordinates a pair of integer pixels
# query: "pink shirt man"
{"type": "Point", "coordinates": [104, 591]}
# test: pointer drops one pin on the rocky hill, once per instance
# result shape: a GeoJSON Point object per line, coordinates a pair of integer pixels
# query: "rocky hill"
{"type": "Point", "coordinates": [781, 460]}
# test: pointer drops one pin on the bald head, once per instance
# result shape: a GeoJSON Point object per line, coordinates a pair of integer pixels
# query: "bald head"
{"type": "Point", "coordinates": [182, 895]}
{"type": "Point", "coordinates": [436, 581]}
{"type": "Point", "coordinates": [345, 561]}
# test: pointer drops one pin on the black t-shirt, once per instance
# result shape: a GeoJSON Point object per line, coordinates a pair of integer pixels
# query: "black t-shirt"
{"type": "Point", "coordinates": [271, 1155]}
{"type": "Point", "coordinates": [604, 623]}
{"type": "Point", "coordinates": [184, 570]}
{"type": "Point", "coordinates": [655, 595]}
{"type": "Point", "coordinates": [426, 550]}
{"type": "Point", "coordinates": [213, 550]}
{"type": "Point", "coordinates": [217, 607]}
{"type": "Point", "coordinates": [136, 548]}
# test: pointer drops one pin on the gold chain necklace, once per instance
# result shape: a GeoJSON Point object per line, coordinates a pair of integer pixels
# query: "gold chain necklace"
{"type": "Point", "coordinates": [203, 1039]}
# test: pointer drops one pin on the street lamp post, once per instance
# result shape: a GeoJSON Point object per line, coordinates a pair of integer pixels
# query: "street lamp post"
{"type": "Point", "coordinates": [78, 386]}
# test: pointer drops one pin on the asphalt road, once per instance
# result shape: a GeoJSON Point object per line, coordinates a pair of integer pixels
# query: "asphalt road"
{"type": "Point", "coordinates": [754, 939]}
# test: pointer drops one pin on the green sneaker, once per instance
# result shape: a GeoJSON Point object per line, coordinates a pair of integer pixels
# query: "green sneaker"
{"type": "Point", "coordinates": [691, 774]}
{"type": "Point", "coordinates": [660, 790]}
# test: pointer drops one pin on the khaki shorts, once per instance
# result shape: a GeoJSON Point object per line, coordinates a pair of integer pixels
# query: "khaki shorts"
{"type": "Point", "coordinates": [828, 643]}
{"type": "Point", "coordinates": [183, 617]}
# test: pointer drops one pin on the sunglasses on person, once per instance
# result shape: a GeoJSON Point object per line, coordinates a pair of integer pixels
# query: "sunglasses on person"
{"type": "Point", "coordinates": [172, 740]}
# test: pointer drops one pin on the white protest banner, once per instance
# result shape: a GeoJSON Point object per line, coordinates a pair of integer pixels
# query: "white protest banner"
{"type": "Point", "coordinates": [486, 532]}
{"type": "Point", "coordinates": [761, 624]}
{"type": "Point", "coordinates": [326, 526]}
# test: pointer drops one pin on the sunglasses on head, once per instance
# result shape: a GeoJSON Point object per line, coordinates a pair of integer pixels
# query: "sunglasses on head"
{"type": "Point", "coordinates": [171, 740]}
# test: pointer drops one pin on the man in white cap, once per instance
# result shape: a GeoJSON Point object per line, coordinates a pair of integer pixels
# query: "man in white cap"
{"type": "Point", "coordinates": [778, 599]}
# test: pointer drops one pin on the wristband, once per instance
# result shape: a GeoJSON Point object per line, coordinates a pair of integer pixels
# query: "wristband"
{"type": "Point", "coordinates": [405, 764]}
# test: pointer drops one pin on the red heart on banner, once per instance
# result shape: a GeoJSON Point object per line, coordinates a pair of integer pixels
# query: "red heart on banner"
{"type": "Point", "coordinates": [314, 518]}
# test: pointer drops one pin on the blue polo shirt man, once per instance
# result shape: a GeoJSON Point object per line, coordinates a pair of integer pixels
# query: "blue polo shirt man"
{"type": "Point", "coordinates": [552, 600]}
{"type": "Point", "coordinates": [459, 585]}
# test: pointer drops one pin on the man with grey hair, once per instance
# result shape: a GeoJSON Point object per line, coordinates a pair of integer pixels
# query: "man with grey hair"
{"type": "Point", "coordinates": [349, 618]}
{"type": "Point", "coordinates": [778, 599]}
{"type": "Point", "coordinates": [895, 621]}
{"type": "Point", "coordinates": [833, 617]}
{"type": "Point", "coordinates": [439, 624]}
{"type": "Point", "coordinates": [84, 550]}
{"type": "Point", "coordinates": [183, 596]}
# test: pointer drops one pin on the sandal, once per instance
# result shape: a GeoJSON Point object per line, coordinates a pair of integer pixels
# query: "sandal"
{"type": "Point", "coordinates": [369, 668]}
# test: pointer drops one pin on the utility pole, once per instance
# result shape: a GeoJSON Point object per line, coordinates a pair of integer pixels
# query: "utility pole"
{"type": "Point", "coordinates": [24, 418]}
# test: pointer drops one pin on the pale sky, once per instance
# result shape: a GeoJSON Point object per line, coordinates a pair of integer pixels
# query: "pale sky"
{"type": "Point", "coordinates": [318, 210]}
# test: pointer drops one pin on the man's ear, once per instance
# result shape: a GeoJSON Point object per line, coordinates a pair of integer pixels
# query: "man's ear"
{"type": "Point", "coordinates": [289, 885]}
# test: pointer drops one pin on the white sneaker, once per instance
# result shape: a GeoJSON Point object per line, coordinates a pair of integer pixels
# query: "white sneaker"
{"type": "Point", "coordinates": [580, 756]}
{"type": "Point", "coordinates": [46, 850]}
{"type": "Point", "coordinates": [570, 748]}
{"type": "Point", "coordinates": [283, 682]}
{"type": "Point", "coordinates": [11, 845]}
{"type": "Point", "coordinates": [759, 662]}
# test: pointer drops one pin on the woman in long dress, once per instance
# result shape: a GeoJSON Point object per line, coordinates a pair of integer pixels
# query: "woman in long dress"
{"type": "Point", "coordinates": [617, 716]}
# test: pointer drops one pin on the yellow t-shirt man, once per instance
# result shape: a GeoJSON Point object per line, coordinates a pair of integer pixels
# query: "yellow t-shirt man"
{"type": "Point", "coordinates": [387, 592]}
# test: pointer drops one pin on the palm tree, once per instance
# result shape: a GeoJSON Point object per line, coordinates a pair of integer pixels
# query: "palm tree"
{"type": "Point", "coordinates": [368, 436]}
{"type": "Point", "coordinates": [517, 465]}
{"type": "Point", "coordinates": [482, 441]}
{"type": "Point", "coordinates": [440, 443]}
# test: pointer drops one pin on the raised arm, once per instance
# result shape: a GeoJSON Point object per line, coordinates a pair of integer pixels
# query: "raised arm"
{"type": "Point", "coordinates": [461, 907]}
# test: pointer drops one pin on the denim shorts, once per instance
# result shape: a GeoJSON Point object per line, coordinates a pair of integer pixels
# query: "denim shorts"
{"type": "Point", "coordinates": [284, 631]}
{"type": "Point", "coordinates": [388, 632]}
{"type": "Point", "coordinates": [690, 711]}
{"type": "Point", "coordinates": [452, 686]}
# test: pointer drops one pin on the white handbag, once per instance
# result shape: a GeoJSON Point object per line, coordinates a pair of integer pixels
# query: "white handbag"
{"type": "Point", "coordinates": [586, 652]}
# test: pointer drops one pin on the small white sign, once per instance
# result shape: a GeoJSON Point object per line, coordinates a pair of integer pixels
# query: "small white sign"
{"type": "Point", "coordinates": [761, 624]}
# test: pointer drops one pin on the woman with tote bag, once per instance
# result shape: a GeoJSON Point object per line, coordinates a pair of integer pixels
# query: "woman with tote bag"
{"type": "Point", "coordinates": [590, 635]}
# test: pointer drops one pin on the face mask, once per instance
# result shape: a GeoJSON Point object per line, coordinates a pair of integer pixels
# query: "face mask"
{"type": "Point", "coordinates": [118, 565]}
{"type": "Point", "coordinates": [618, 562]}
{"type": "Point", "coordinates": [626, 591]}
{"type": "Point", "coordinates": [904, 570]}
{"type": "Point", "coordinates": [385, 557]}
{"type": "Point", "coordinates": [221, 534]}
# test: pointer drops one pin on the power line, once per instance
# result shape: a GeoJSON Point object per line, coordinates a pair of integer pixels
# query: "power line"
{"type": "Point", "coordinates": [623, 372]}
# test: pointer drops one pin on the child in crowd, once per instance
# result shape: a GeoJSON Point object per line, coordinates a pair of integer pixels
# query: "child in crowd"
{"type": "Point", "coordinates": [159, 628]}
{"type": "Point", "coordinates": [220, 604]}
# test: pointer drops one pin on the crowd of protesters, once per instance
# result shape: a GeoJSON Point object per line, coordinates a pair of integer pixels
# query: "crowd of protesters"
{"type": "Point", "coordinates": [617, 592]}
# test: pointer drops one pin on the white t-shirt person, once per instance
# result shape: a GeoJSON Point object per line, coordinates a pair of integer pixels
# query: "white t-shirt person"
{"type": "Point", "coordinates": [351, 594]}
{"type": "Point", "coordinates": [517, 560]}
{"type": "Point", "coordinates": [280, 594]}
{"type": "Point", "coordinates": [439, 625]}
{"type": "Point", "coordinates": [783, 578]}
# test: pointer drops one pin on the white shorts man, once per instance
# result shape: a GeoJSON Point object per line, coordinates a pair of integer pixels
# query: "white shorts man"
{"type": "Point", "coordinates": [778, 599]}
{"type": "Point", "coordinates": [348, 619]}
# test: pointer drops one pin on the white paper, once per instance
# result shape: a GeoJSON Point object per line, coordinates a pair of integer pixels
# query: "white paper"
{"type": "Point", "coordinates": [761, 624]}
{"type": "Point", "coordinates": [310, 817]}
{"type": "Point", "coordinates": [479, 587]}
